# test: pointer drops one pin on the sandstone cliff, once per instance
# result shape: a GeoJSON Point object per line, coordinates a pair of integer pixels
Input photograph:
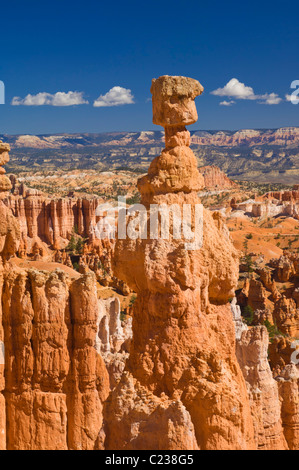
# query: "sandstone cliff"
{"type": "Point", "coordinates": [214, 178]}
{"type": "Point", "coordinates": [52, 221]}
{"type": "Point", "coordinates": [252, 351]}
{"type": "Point", "coordinates": [5, 184]}
{"type": "Point", "coordinates": [288, 385]}
{"type": "Point", "coordinates": [52, 380]}
{"type": "Point", "coordinates": [55, 381]}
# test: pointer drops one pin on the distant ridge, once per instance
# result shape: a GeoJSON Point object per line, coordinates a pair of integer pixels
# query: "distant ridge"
{"type": "Point", "coordinates": [265, 155]}
{"type": "Point", "coordinates": [284, 136]}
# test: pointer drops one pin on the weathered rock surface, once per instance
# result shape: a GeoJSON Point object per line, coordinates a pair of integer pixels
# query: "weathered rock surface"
{"type": "Point", "coordinates": [270, 205]}
{"type": "Point", "coordinates": [52, 221]}
{"type": "Point", "coordinates": [240, 326]}
{"type": "Point", "coordinates": [252, 351]}
{"type": "Point", "coordinates": [9, 233]}
{"type": "Point", "coordinates": [5, 184]}
{"type": "Point", "coordinates": [9, 240]}
{"type": "Point", "coordinates": [182, 360]}
{"type": "Point", "coordinates": [2, 364]}
{"type": "Point", "coordinates": [214, 178]}
{"type": "Point", "coordinates": [52, 379]}
{"type": "Point", "coordinates": [286, 316]}
{"type": "Point", "coordinates": [75, 376]}
{"type": "Point", "coordinates": [55, 381]}
{"type": "Point", "coordinates": [256, 295]}
{"type": "Point", "coordinates": [288, 385]}
{"type": "Point", "coordinates": [284, 268]}
{"type": "Point", "coordinates": [113, 338]}
{"type": "Point", "coordinates": [280, 352]}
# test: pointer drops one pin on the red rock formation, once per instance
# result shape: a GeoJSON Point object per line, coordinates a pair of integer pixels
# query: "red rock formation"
{"type": "Point", "coordinates": [89, 380]}
{"type": "Point", "coordinates": [182, 387]}
{"type": "Point", "coordinates": [267, 281]}
{"type": "Point", "coordinates": [233, 204]}
{"type": "Point", "coordinates": [280, 353]}
{"type": "Point", "coordinates": [9, 227]}
{"type": "Point", "coordinates": [288, 383]}
{"type": "Point", "coordinates": [214, 178]}
{"type": "Point", "coordinates": [283, 196]}
{"type": "Point", "coordinates": [55, 381]}
{"type": "Point", "coordinates": [2, 363]}
{"type": "Point", "coordinates": [256, 295]}
{"type": "Point", "coordinates": [9, 240]}
{"type": "Point", "coordinates": [295, 296]}
{"type": "Point", "coordinates": [63, 258]}
{"type": "Point", "coordinates": [5, 184]}
{"type": "Point", "coordinates": [178, 385]}
{"type": "Point", "coordinates": [286, 316]}
{"type": "Point", "coordinates": [284, 268]}
{"type": "Point", "coordinates": [114, 338]}
{"type": "Point", "coordinates": [252, 352]}
{"type": "Point", "coordinates": [53, 221]}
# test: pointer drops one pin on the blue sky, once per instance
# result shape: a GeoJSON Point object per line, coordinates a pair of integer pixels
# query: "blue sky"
{"type": "Point", "coordinates": [90, 47]}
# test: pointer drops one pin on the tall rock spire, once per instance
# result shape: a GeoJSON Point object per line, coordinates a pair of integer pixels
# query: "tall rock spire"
{"type": "Point", "coordinates": [173, 108]}
{"type": "Point", "coordinates": [182, 387]}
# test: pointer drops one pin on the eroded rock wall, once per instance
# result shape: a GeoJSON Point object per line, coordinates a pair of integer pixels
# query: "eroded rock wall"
{"type": "Point", "coordinates": [55, 381]}
{"type": "Point", "coordinates": [288, 386]}
{"type": "Point", "coordinates": [53, 221]}
{"type": "Point", "coordinates": [252, 352]}
{"type": "Point", "coordinates": [214, 178]}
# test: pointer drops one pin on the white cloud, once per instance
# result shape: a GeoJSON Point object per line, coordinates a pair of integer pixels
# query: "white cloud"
{"type": "Point", "coordinates": [289, 98]}
{"type": "Point", "coordinates": [226, 103]}
{"type": "Point", "coordinates": [58, 99]}
{"type": "Point", "coordinates": [238, 90]}
{"type": "Point", "coordinates": [115, 97]}
{"type": "Point", "coordinates": [270, 98]}
{"type": "Point", "coordinates": [235, 89]}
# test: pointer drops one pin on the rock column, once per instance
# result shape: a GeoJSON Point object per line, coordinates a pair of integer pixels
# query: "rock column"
{"type": "Point", "coordinates": [182, 387]}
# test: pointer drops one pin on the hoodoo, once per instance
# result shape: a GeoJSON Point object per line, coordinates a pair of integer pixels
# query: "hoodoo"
{"type": "Point", "coordinates": [182, 387]}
